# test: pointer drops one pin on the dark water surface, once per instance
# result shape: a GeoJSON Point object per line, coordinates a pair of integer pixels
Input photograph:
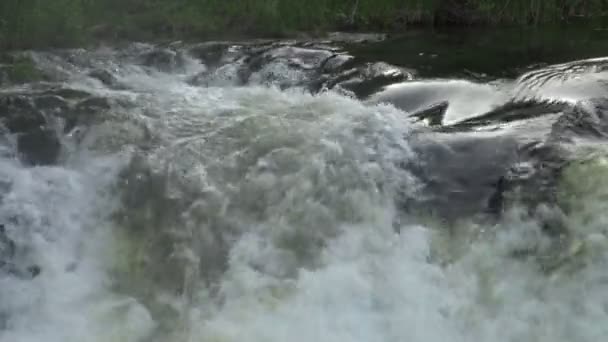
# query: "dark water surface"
{"type": "Point", "coordinates": [485, 53]}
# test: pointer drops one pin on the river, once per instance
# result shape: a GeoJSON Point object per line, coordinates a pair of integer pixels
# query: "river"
{"type": "Point", "coordinates": [190, 200]}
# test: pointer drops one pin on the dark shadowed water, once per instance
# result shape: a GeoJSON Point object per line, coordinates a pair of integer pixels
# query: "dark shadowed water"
{"type": "Point", "coordinates": [485, 53]}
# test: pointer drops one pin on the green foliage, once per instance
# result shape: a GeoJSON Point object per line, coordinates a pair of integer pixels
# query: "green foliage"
{"type": "Point", "coordinates": [39, 23]}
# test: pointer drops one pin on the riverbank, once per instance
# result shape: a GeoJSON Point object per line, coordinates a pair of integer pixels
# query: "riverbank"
{"type": "Point", "coordinates": [38, 24]}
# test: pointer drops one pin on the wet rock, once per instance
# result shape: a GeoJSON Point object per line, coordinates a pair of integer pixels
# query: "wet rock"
{"type": "Point", "coordinates": [358, 38]}
{"type": "Point", "coordinates": [212, 53]}
{"type": "Point", "coordinates": [8, 263]}
{"type": "Point", "coordinates": [516, 110]}
{"type": "Point", "coordinates": [465, 99]}
{"type": "Point", "coordinates": [587, 120]}
{"type": "Point", "coordinates": [234, 74]}
{"type": "Point", "coordinates": [315, 66]}
{"type": "Point", "coordinates": [85, 112]}
{"type": "Point", "coordinates": [302, 58]}
{"type": "Point", "coordinates": [104, 77]}
{"type": "Point", "coordinates": [368, 79]}
{"type": "Point", "coordinates": [51, 104]}
{"type": "Point", "coordinates": [432, 115]}
{"type": "Point", "coordinates": [19, 114]}
{"type": "Point", "coordinates": [462, 173]}
{"type": "Point", "coordinates": [33, 271]}
{"type": "Point", "coordinates": [532, 180]}
{"type": "Point", "coordinates": [68, 93]}
{"type": "Point", "coordinates": [512, 156]}
{"type": "Point", "coordinates": [285, 66]}
{"type": "Point", "coordinates": [163, 59]}
{"type": "Point", "coordinates": [40, 146]}
{"type": "Point", "coordinates": [7, 248]}
{"type": "Point", "coordinates": [336, 63]}
{"type": "Point", "coordinates": [94, 104]}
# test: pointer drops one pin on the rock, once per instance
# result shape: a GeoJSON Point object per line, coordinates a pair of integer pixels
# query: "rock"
{"type": "Point", "coordinates": [85, 112]}
{"type": "Point", "coordinates": [514, 111]}
{"type": "Point", "coordinates": [513, 156]}
{"type": "Point", "coordinates": [163, 59]}
{"type": "Point", "coordinates": [50, 104]}
{"type": "Point", "coordinates": [587, 120]}
{"type": "Point", "coordinates": [7, 248]}
{"type": "Point", "coordinates": [315, 66]}
{"type": "Point", "coordinates": [432, 115]}
{"type": "Point", "coordinates": [94, 104]}
{"type": "Point", "coordinates": [104, 77]}
{"type": "Point", "coordinates": [19, 114]}
{"type": "Point", "coordinates": [358, 38]}
{"type": "Point", "coordinates": [285, 66]}
{"type": "Point", "coordinates": [234, 74]}
{"type": "Point", "coordinates": [212, 53]}
{"type": "Point", "coordinates": [337, 63]}
{"type": "Point", "coordinates": [68, 93]}
{"type": "Point", "coordinates": [366, 80]}
{"type": "Point", "coordinates": [466, 99]}
{"type": "Point", "coordinates": [462, 173]}
{"type": "Point", "coordinates": [8, 265]}
{"type": "Point", "coordinates": [301, 58]}
{"type": "Point", "coordinates": [40, 146]}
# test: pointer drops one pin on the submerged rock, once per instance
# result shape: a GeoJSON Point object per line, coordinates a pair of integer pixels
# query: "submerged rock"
{"type": "Point", "coordinates": [8, 264]}
{"type": "Point", "coordinates": [19, 114]}
{"type": "Point", "coordinates": [511, 156]}
{"type": "Point", "coordinates": [462, 173]}
{"type": "Point", "coordinates": [40, 146]}
{"type": "Point", "coordinates": [163, 59]}
{"type": "Point", "coordinates": [588, 120]}
{"type": "Point", "coordinates": [7, 248]}
{"type": "Point", "coordinates": [367, 79]}
{"type": "Point", "coordinates": [104, 77]}
{"type": "Point", "coordinates": [51, 104]}
{"type": "Point", "coordinates": [458, 100]}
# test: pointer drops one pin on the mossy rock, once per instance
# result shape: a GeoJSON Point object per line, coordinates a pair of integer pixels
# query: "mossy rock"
{"type": "Point", "coordinates": [583, 189]}
{"type": "Point", "coordinates": [20, 69]}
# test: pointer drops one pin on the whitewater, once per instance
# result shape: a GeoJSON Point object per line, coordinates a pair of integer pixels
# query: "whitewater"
{"type": "Point", "coordinates": [230, 212]}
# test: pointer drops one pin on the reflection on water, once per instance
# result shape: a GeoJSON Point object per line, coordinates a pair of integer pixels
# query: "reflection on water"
{"type": "Point", "coordinates": [479, 54]}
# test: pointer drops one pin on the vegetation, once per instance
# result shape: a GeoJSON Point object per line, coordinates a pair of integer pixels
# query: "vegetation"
{"type": "Point", "coordinates": [37, 23]}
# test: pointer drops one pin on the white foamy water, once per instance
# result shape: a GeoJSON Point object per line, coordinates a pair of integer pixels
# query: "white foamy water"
{"type": "Point", "coordinates": [466, 99]}
{"type": "Point", "coordinates": [275, 219]}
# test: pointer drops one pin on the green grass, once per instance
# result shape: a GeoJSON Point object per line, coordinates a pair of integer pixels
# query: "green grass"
{"type": "Point", "coordinates": [41, 23]}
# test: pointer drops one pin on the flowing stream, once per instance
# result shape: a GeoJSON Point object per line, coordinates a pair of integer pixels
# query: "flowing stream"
{"type": "Point", "coordinates": [253, 212]}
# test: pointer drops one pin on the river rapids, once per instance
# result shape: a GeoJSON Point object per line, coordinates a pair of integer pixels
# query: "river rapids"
{"type": "Point", "coordinates": [186, 203]}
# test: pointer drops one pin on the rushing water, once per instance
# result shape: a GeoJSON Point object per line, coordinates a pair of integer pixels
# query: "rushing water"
{"type": "Point", "coordinates": [250, 213]}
